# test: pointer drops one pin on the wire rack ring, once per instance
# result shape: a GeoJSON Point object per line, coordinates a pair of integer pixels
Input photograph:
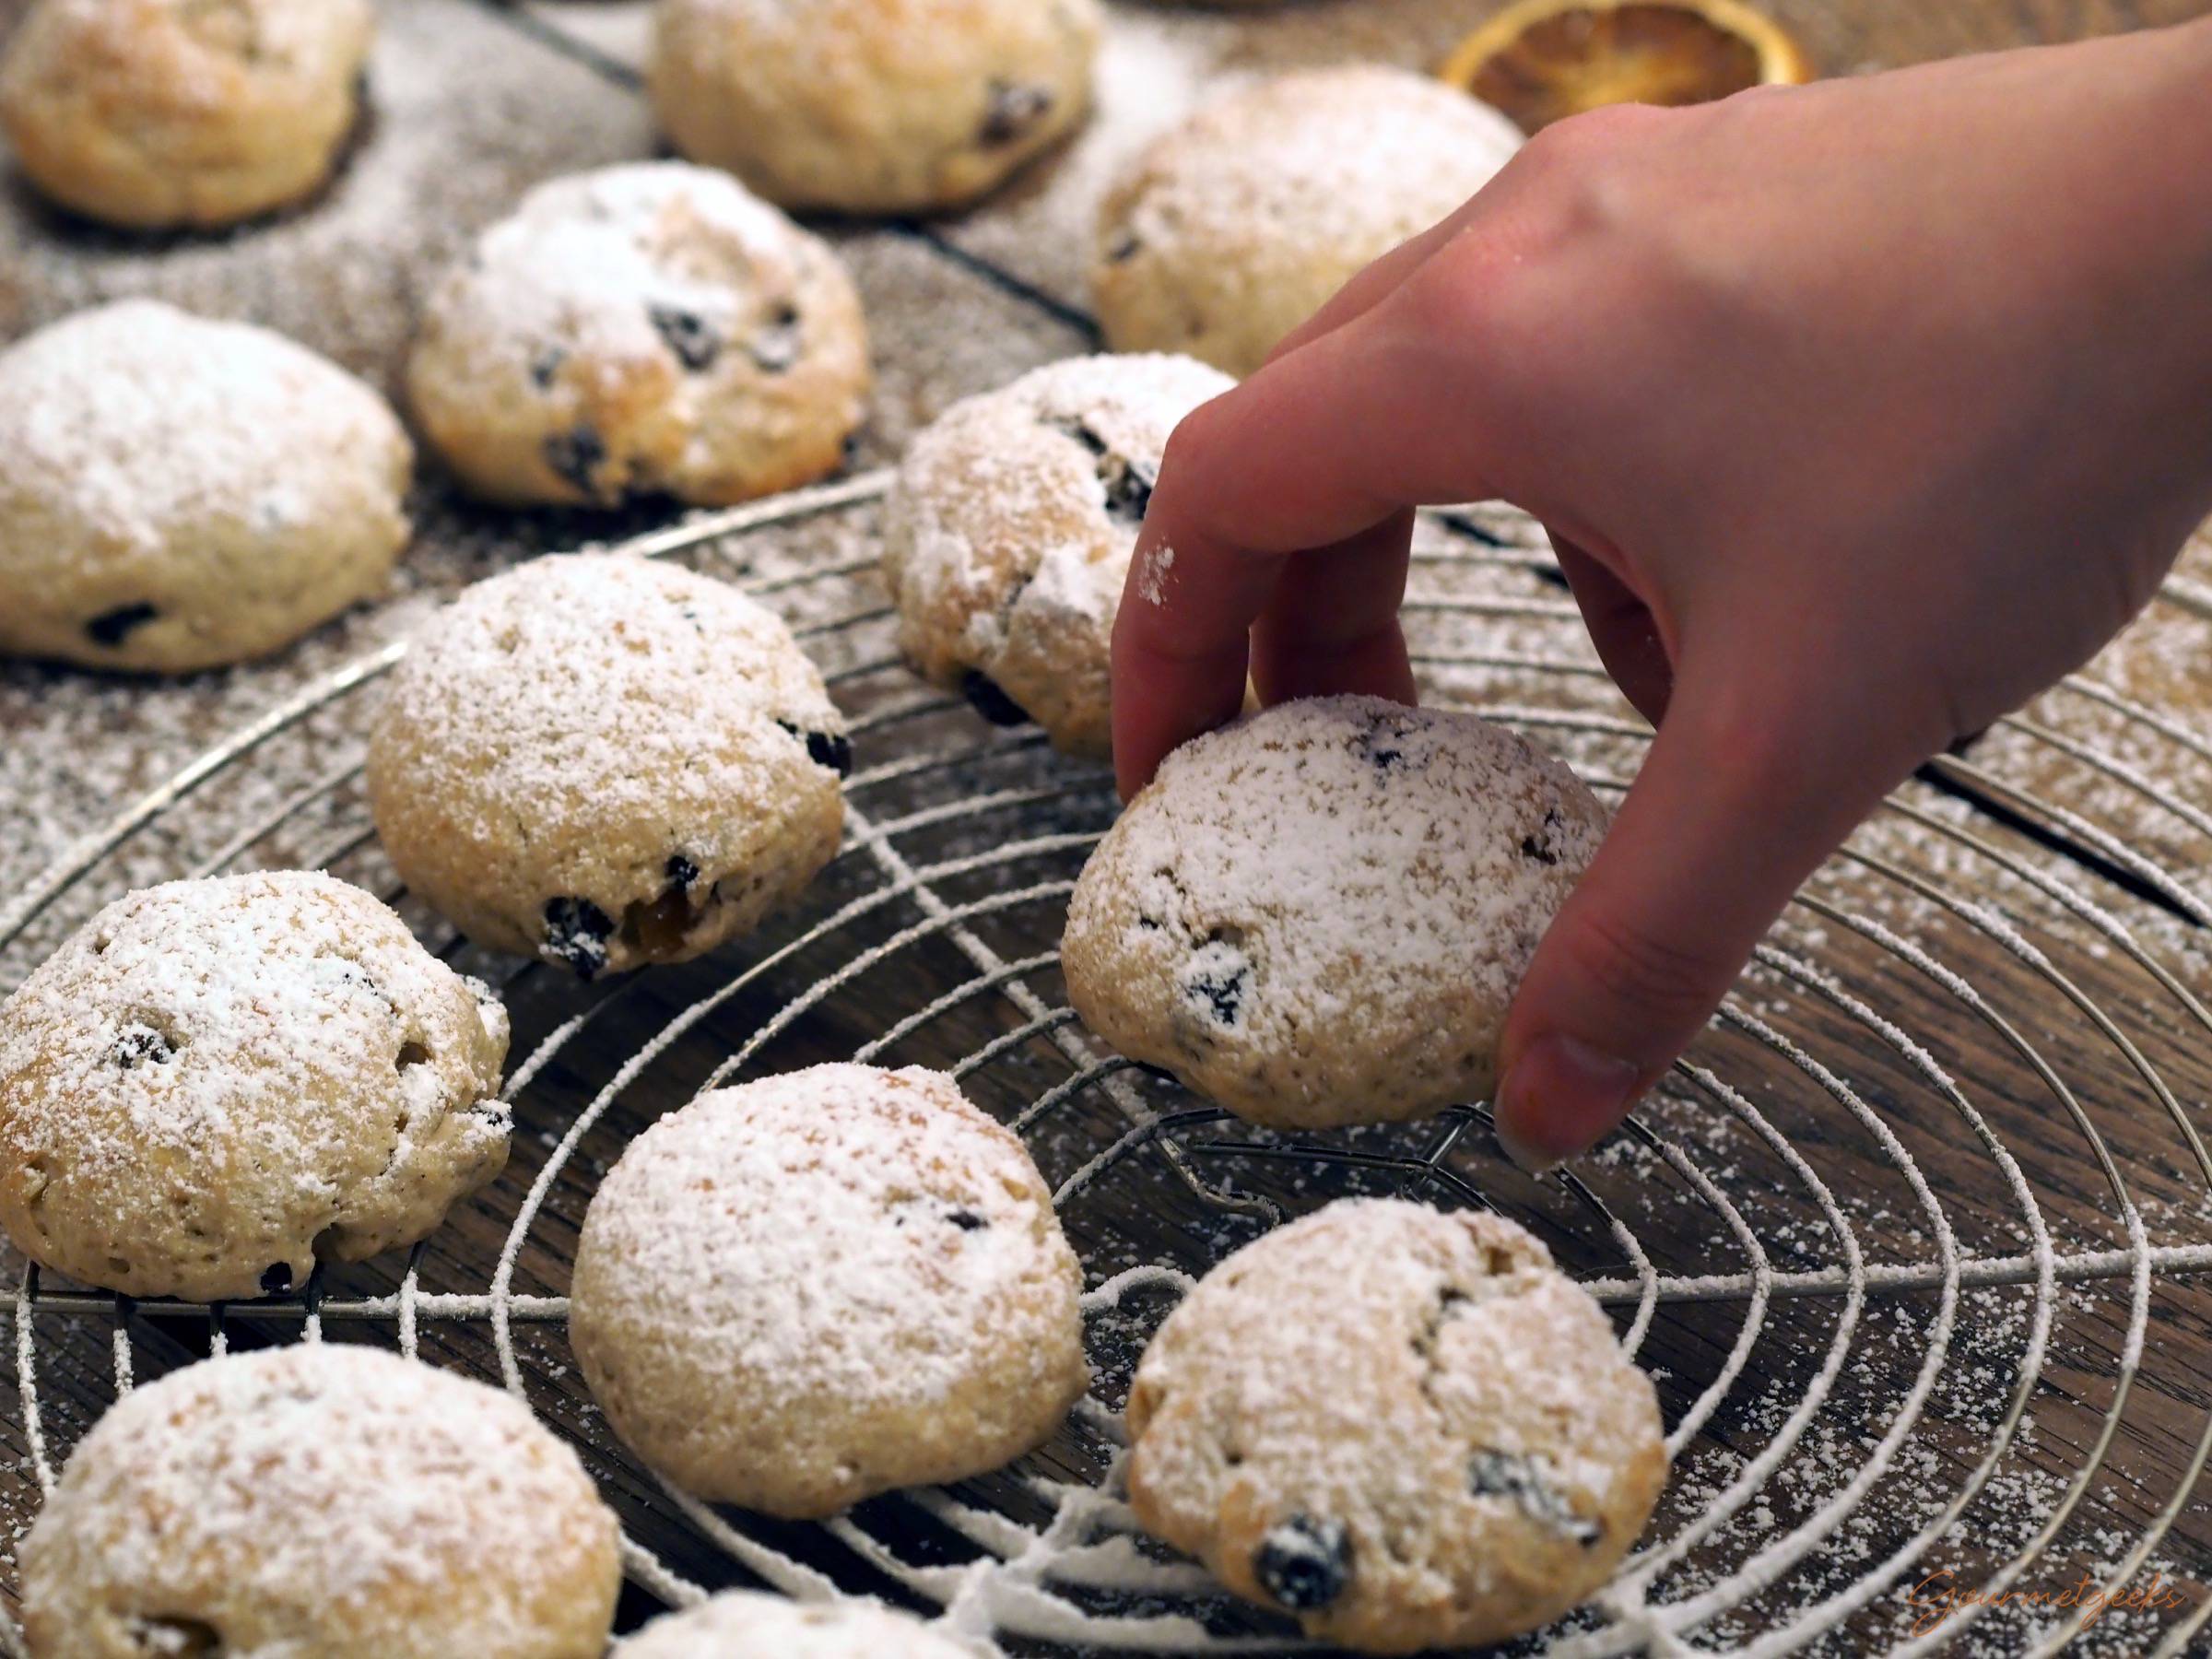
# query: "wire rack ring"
{"type": "Point", "coordinates": [932, 938]}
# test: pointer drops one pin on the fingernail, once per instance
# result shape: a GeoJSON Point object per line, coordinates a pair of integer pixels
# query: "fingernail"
{"type": "Point", "coordinates": [1521, 1152]}
{"type": "Point", "coordinates": [1561, 1098]}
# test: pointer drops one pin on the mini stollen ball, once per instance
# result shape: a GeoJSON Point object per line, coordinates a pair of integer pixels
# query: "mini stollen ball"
{"type": "Point", "coordinates": [176, 493]}
{"type": "Point", "coordinates": [1320, 914]}
{"type": "Point", "coordinates": [743, 1625]}
{"type": "Point", "coordinates": [822, 1286]}
{"type": "Point", "coordinates": [871, 106]}
{"type": "Point", "coordinates": [650, 329]}
{"type": "Point", "coordinates": [1009, 534]}
{"type": "Point", "coordinates": [1406, 1428]}
{"type": "Point", "coordinates": [1228, 231]}
{"type": "Point", "coordinates": [323, 1500]}
{"type": "Point", "coordinates": [153, 114]}
{"type": "Point", "coordinates": [606, 761]}
{"type": "Point", "coordinates": [216, 1083]}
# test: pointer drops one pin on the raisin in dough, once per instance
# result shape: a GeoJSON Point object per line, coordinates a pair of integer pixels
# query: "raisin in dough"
{"type": "Point", "coordinates": [324, 1500]}
{"type": "Point", "coordinates": [650, 329]}
{"type": "Point", "coordinates": [1406, 1428]}
{"type": "Point", "coordinates": [824, 1285]}
{"type": "Point", "coordinates": [176, 493]}
{"type": "Point", "coordinates": [606, 761]}
{"type": "Point", "coordinates": [1008, 533]}
{"type": "Point", "coordinates": [1319, 915]}
{"type": "Point", "coordinates": [1230, 231]}
{"type": "Point", "coordinates": [745, 1624]}
{"type": "Point", "coordinates": [871, 106]}
{"type": "Point", "coordinates": [154, 113]}
{"type": "Point", "coordinates": [216, 1082]}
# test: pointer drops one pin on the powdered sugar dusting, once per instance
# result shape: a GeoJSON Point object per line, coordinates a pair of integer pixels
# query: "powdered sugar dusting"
{"type": "Point", "coordinates": [508, 700]}
{"type": "Point", "coordinates": [588, 261]}
{"type": "Point", "coordinates": [1152, 577]}
{"type": "Point", "coordinates": [216, 1077]}
{"type": "Point", "coordinates": [132, 418]}
{"type": "Point", "coordinates": [986, 468]}
{"type": "Point", "coordinates": [1354, 159]}
{"type": "Point", "coordinates": [1320, 913]}
{"type": "Point", "coordinates": [743, 1622]}
{"type": "Point", "coordinates": [346, 1483]}
{"type": "Point", "coordinates": [1417, 1409]}
{"type": "Point", "coordinates": [797, 1233]}
{"type": "Point", "coordinates": [1009, 533]}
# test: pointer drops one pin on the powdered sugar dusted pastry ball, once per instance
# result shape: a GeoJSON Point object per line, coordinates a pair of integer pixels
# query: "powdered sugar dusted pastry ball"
{"type": "Point", "coordinates": [176, 493]}
{"type": "Point", "coordinates": [1406, 1428]}
{"type": "Point", "coordinates": [606, 761]}
{"type": "Point", "coordinates": [743, 1625]}
{"type": "Point", "coordinates": [1009, 534]}
{"type": "Point", "coordinates": [216, 1082]}
{"type": "Point", "coordinates": [871, 106]}
{"type": "Point", "coordinates": [324, 1500]}
{"type": "Point", "coordinates": [1233, 228]}
{"type": "Point", "coordinates": [642, 330]}
{"type": "Point", "coordinates": [1320, 914]}
{"type": "Point", "coordinates": [824, 1285]}
{"type": "Point", "coordinates": [161, 113]}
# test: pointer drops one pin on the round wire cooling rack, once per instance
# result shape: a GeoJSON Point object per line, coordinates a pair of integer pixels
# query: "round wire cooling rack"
{"type": "Point", "coordinates": [1909, 1240]}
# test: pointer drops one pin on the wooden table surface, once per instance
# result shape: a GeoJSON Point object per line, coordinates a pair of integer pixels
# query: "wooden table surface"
{"type": "Point", "coordinates": [1978, 1022]}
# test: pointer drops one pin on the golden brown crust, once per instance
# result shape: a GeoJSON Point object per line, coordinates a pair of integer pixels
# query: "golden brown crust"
{"type": "Point", "coordinates": [201, 113]}
{"type": "Point", "coordinates": [871, 106]}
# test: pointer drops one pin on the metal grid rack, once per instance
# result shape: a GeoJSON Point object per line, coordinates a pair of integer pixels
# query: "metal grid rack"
{"type": "Point", "coordinates": [1762, 1234]}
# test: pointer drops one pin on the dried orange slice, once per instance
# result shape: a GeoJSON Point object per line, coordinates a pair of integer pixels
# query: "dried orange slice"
{"type": "Point", "coordinates": [1543, 60]}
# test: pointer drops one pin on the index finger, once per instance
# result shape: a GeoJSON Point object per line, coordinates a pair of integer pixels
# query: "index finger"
{"type": "Point", "coordinates": [1323, 445]}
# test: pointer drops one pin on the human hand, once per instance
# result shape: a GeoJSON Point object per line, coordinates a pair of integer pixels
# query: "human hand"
{"type": "Point", "coordinates": [1858, 413]}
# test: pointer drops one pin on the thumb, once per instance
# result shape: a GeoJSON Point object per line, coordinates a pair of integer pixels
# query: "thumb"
{"type": "Point", "coordinates": [1736, 804]}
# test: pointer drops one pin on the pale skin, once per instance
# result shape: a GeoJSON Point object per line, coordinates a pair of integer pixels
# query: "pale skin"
{"type": "Point", "coordinates": [1859, 413]}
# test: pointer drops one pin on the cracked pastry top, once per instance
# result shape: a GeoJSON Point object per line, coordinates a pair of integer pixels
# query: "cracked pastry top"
{"type": "Point", "coordinates": [606, 761]}
{"type": "Point", "coordinates": [1320, 914]}
{"type": "Point", "coordinates": [161, 114]}
{"type": "Point", "coordinates": [650, 329]}
{"type": "Point", "coordinates": [1405, 1429]}
{"type": "Point", "coordinates": [176, 493]}
{"type": "Point", "coordinates": [216, 1083]}
{"type": "Point", "coordinates": [1009, 534]}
